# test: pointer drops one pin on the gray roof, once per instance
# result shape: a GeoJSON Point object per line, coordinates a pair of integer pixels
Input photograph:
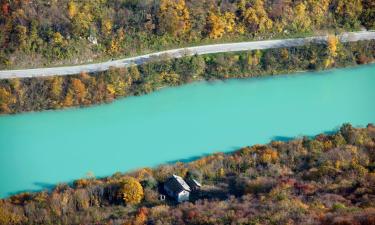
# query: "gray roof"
{"type": "Point", "coordinates": [176, 184]}
{"type": "Point", "coordinates": [193, 183]}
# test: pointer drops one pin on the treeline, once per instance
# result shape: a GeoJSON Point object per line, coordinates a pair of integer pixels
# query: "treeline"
{"type": "Point", "coordinates": [37, 33]}
{"type": "Point", "coordinates": [34, 94]}
{"type": "Point", "coordinates": [328, 179]}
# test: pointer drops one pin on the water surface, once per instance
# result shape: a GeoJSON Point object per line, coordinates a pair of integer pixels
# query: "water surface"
{"type": "Point", "coordinates": [41, 149]}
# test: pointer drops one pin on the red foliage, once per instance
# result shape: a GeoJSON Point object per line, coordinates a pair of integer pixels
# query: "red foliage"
{"type": "Point", "coordinates": [5, 8]}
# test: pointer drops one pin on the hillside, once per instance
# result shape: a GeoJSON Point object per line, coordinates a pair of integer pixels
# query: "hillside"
{"type": "Point", "coordinates": [40, 33]}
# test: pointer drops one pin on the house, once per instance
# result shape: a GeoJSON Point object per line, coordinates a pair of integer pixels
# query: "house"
{"type": "Point", "coordinates": [177, 188]}
{"type": "Point", "coordinates": [193, 184]}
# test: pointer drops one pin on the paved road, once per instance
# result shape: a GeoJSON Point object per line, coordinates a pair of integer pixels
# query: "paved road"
{"type": "Point", "coordinates": [175, 53]}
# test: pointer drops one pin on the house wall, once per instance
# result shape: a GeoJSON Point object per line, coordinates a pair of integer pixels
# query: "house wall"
{"type": "Point", "coordinates": [183, 196]}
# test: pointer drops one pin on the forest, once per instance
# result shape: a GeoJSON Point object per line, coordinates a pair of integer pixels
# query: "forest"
{"type": "Point", "coordinates": [35, 94]}
{"type": "Point", "coordinates": [36, 33]}
{"type": "Point", "coordinates": [326, 179]}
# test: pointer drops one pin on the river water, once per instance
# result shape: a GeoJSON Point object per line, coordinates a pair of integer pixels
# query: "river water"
{"type": "Point", "coordinates": [39, 150]}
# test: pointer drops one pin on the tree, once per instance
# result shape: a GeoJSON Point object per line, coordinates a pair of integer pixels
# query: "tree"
{"type": "Point", "coordinates": [57, 38]}
{"type": "Point", "coordinates": [368, 14]}
{"type": "Point", "coordinates": [256, 18]}
{"type": "Point", "coordinates": [134, 73]}
{"type": "Point", "coordinates": [319, 10]}
{"type": "Point", "coordinates": [21, 35]}
{"type": "Point", "coordinates": [107, 27]}
{"type": "Point", "coordinates": [348, 11]}
{"type": "Point", "coordinates": [332, 43]}
{"type": "Point", "coordinates": [5, 99]}
{"type": "Point", "coordinates": [215, 25]}
{"type": "Point", "coordinates": [131, 191]}
{"type": "Point", "coordinates": [302, 21]}
{"type": "Point", "coordinates": [79, 89]}
{"type": "Point", "coordinates": [174, 17]}
{"type": "Point", "coordinates": [5, 8]}
{"type": "Point", "coordinates": [72, 9]}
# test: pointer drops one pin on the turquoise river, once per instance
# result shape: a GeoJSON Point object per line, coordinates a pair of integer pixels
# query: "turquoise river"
{"type": "Point", "coordinates": [38, 150]}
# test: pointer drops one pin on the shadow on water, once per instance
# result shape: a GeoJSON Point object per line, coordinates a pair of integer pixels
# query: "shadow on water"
{"type": "Point", "coordinates": [49, 187]}
{"type": "Point", "coordinates": [44, 185]}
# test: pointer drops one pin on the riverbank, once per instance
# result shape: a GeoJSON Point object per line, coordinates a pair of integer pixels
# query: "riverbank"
{"type": "Point", "coordinates": [300, 181]}
{"type": "Point", "coordinates": [36, 94]}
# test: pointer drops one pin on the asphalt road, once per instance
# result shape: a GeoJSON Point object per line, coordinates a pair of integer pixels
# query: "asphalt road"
{"type": "Point", "coordinates": [176, 53]}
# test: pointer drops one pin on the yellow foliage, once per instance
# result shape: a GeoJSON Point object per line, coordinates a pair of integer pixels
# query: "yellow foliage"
{"type": "Point", "coordinates": [284, 53]}
{"type": "Point", "coordinates": [174, 17]}
{"type": "Point", "coordinates": [56, 86]}
{"type": "Point", "coordinates": [332, 43]}
{"type": "Point", "coordinates": [107, 26]}
{"type": "Point", "coordinates": [111, 89]}
{"type": "Point", "coordinates": [57, 38]}
{"type": "Point", "coordinates": [131, 191]}
{"type": "Point", "coordinates": [72, 9]}
{"type": "Point", "coordinates": [257, 18]}
{"type": "Point", "coordinates": [301, 19]}
{"type": "Point", "coordinates": [328, 62]}
{"type": "Point", "coordinates": [215, 26]}
{"type": "Point", "coordinates": [319, 10]}
{"type": "Point", "coordinates": [221, 172]}
{"type": "Point", "coordinates": [269, 156]}
{"type": "Point", "coordinates": [350, 9]}
{"type": "Point", "coordinates": [5, 96]}
{"type": "Point", "coordinates": [7, 217]}
{"type": "Point", "coordinates": [170, 78]}
{"type": "Point", "coordinates": [114, 47]}
{"type": "Point", "coordinates": [230, 23]}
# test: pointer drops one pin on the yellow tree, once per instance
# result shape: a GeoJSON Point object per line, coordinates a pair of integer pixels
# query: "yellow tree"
{"type": "Point", "coordinates": [174, 17]}
{"type": "Point", "coordinates": [215, 25]}
{"type": "Point", "coordinates": [302, 20]}
{"type": "Point", "coordinates": [318, 10]}
{"type": "Point", "coordinates": [5, 100]}
{"type": "Point", "coordinates": [57, 38]}
{"type": "Point", "coordinates": [107, 26]}
{"type": "Point", "coordinates": [131, 191]}
{"type": "Point", "coordinates": [230, 22]}
{"type": "Point", "coordinates": [72, 9]}
{"type": "Point", "coordinates": [332, 43]}
{"type": "Point", "coordinates": [256, 17]}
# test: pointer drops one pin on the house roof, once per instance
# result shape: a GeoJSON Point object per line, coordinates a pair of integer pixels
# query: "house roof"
{"type": "Point", "coordinates": [177, 184]}
{"type": "Point", "coordinates": [193, 183]}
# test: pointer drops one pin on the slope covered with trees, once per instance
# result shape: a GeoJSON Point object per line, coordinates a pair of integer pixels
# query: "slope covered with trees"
{"type": "Point", "coordinates": [328, 179]}
{"type": "Point", "coordinates": [37, 33]}
{"type": "Point", "coordinates": [34, 94]}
